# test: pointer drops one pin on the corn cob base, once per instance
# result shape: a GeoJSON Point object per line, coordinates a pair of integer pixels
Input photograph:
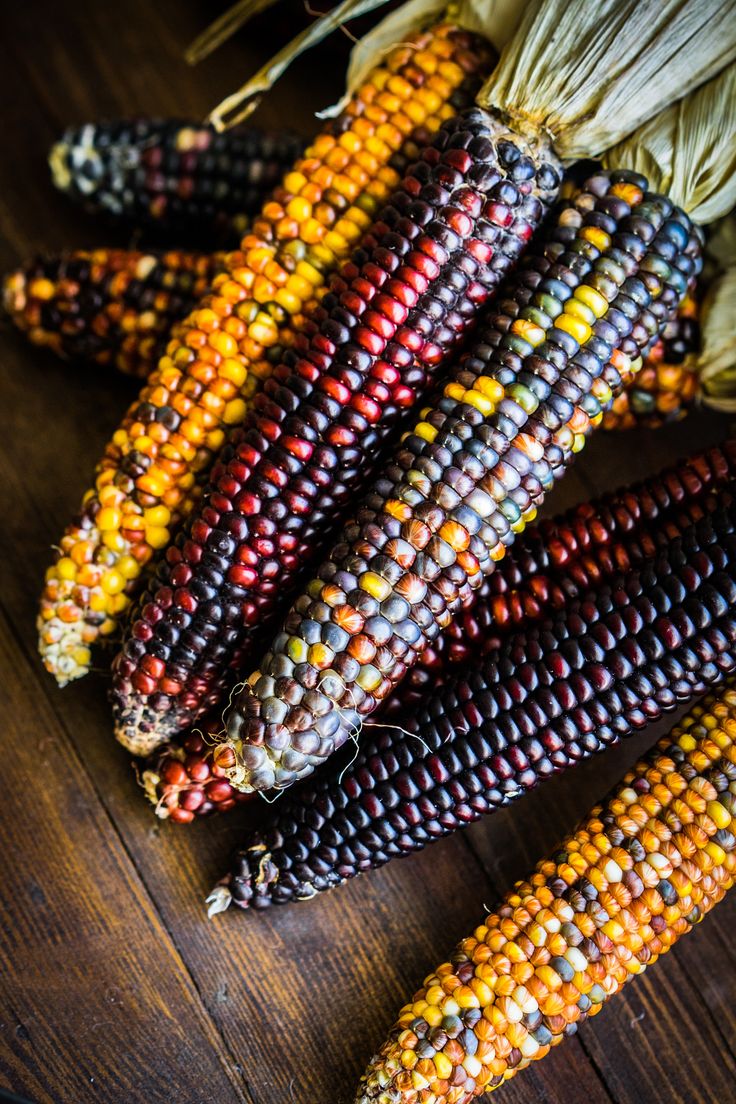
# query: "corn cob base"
{"type": "Point", "coordinates": [152, 470]}
{"type": "Point", "coordinates": [611, 662]}
{"type": "Point", "coordinates": [176, 177]}
{"type": "Point", "coordinates": [461, 217]}
{"type": "Point", "coordinates": [553, 564]}
{"type": "Point", "coordinates": [469, 477]}
{"type": "Point", "coordinates": [110, 307]}
{"type": "Point", "coordinates": [643, 868]}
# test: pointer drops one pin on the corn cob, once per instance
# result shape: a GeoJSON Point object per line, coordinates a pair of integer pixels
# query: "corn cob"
{"type": "Point", "coordinates": [559, 559]}
{"type": "Point", "coordinates": [182, 178]}
{"type": "Point", "coordinates": [666, 387]}
{"type": "Point", "coordinates": [462, 216]}
{"type": "Point", "coordinates": [148, 478]}
{"type": "Point", "coordinates": [554, 563]}
{"type": "Point", "coordinates": [646, 865]}
{"type": "Point", "coordinates": [108, 306]}
{"type": "Point", "coordinates": [611, 661]}
{"type": "Point", "coordinates": [467, 478]}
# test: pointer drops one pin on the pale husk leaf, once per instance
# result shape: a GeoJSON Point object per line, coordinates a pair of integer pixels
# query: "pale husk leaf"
{"type": "Point", "coordinates": [495, 19]}
{"type": "Point", "coordinates": [689, 150]}
{"type": "Point", "coordinates": [589, 72]}
{"type": "Point", "coordinates": [717, 362]}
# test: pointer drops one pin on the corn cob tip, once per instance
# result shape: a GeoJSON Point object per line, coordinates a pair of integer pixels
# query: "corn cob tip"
{"type": "Point", "coordinates": [219, 900]}
{"type": "Point", "coordinates": [63, 649]}
{"type": "Point", "coordinates": [61, 173]}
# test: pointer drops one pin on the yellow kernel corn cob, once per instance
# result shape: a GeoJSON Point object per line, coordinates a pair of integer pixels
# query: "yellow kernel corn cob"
{"type": "Point", "coordinates": [643, 868]}
{"type": "Point", "coordinates": [149, 475]}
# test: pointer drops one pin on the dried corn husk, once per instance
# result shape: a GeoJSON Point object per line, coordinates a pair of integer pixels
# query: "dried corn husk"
{"type": "Point", "coordinates": [689, 150]}
{"type": "Point", "coordinates": [717, 361]}
{"type": "Point", "coordinates": [589, 72]}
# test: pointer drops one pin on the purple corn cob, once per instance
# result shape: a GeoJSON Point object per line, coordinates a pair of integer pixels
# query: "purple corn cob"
{"type": "Point", "coordinates": [610, 662]}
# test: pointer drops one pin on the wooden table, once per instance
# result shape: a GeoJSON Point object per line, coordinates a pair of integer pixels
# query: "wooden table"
{"type": "Point", "coordinates": [114, 986]}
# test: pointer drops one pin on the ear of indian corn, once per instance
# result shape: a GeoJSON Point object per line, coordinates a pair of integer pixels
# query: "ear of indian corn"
{"type": "Point", "coordinates": [459, 220]}
{"type": "Point", "coordinates": [553, 563]}
{"type": "Point", "coordinates": [667, 386]}
{"type": "Point", "coordinates": [641, 869]}
{"type": "Point", "coordinates": [609, 662]}
{"type": "Point", "coordinates": [469, 475]}
{"type": "Point", "coordinates": [180, 178]}
{"type": "Point", "coordinates": [149, 476]}
{"type": "Point", "coordinates": [112, 307]}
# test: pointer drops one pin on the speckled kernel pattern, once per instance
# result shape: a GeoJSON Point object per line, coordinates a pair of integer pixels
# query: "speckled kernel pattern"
{"type": "Point", "coordinates": [554, 563]}
{"type": "Point", "coordinates": [607, 664]}
{"type": "Point", "coordinates": [152, 469]}
{"type": "Point", "coordinates": [179, 178]}
{"type": "Point", "coordinates": [469, 477]}
{"type": "Point", "coordinates": [460, 219]}
{"type": "Point", "coordinates": [111, 307]}
{"type": "Point", "coordinates": [640, 871]}
{"type": "Point", "coordinates": [667, 386]}
{"type": "Point", "coordinates": [561, 558]}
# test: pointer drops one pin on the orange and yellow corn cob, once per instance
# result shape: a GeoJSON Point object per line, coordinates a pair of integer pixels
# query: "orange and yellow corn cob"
{"type": "Point", "coordinates": [149, 475]}
{"type": "Point", "coordinates": [643, 868]}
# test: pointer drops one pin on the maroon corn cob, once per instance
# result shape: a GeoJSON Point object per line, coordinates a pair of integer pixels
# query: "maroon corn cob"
{"type": "Point", "coordinates": [108, 306]}
{"type": "Point", "coordinates": [179, 178]}
{"type": "Point", "coordinates": [462, 215]}
{"type": "Point", "coordinates": [468, 478]}
{"type": "Point", "coordinates": [554, 562]}
{"type": "Point", "coordinates": [609, 662]}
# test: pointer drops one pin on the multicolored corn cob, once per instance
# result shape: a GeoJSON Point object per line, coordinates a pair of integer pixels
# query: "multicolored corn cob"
{"type": "Point", "coordinates": [461, 218]}
{"type": "Point", "coordinates": [152, 469]}
{"type": "Point", "coordinates": [181, 178]}
{"type": "Point", "coordinates": [560, 559]}
{"type": "Point", "coordinates": [610, 662]}
{"type": "Point", "coordinates": [667, 386]}
{"type": "Point", "coordinates": [590, 296]}
{"type": "Point", "coordinates": [642, 868]}
{"type": "Point", "coordinates": [555, 562]}
{"type": "Point", "coordinates": [112, 307]}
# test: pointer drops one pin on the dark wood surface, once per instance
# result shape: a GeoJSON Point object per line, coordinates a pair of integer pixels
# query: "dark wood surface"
{"type": "Point", "coordinates": [113, 985]}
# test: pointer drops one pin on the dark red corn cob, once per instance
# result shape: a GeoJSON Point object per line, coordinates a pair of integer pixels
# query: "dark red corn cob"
{"type": "Point", "coordinates": [559, 559]}
{"type": "Point", "coordinates": [182, 178]}
{"type": "Point", "coordinates": [460, 219]}
{"type": "Point", "coordinates": [108, 306]}
{"type": "Point", "coordinates": [554, 563]}
{"type": "Point", "coordinates": [468, 478]}
{"type": "Point", "coordinates": [610, 662]}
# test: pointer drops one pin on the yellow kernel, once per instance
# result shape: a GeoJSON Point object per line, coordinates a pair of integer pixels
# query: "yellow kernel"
{"type": "Point", "coordinates": [597, 237]}
{"type": "Point", "coordinates": [108, 518]}
{"type": "Point", "coordinates": [480, 402]}
{"type": "Point", "coordinates": [592, 298]}
{"type": "Point", "coordinates": [489, 387]}
{"type": "Point", "coordinates": [114, 541]}
{"type": "Point", "coordinates": [234, 412]}
{"type": "Point", "coordinates": [128, 567]}
{"type": "Point", "coordinates": [719, 814]}
{"type": "Point", "coordinates": [66, 568]}
{"type": "Point", "coordinates": [233, 370]}
{"type": "Point", "coordinates": [455, 391]}
{"type": "Point", "coordinates": [157, 515]}
{"type": "Point", "coordinates": [443, 1065]}
{"type": "Point", "coordinates": [574, 326]}
{"type": "Point", "coordinates": [375, 585]}
{"type": "Point", "coordinates": [113, 582]}
{"type": "Point", "coordinates": [157, 536]}
{"type": "Point", "coordinates": [426, 431]}
{"type": "Point", "coordinates": [580, 310]}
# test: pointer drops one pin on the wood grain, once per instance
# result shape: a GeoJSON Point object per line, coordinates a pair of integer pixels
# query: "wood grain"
{"type": "Point", "coordinates": [113, 985]}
